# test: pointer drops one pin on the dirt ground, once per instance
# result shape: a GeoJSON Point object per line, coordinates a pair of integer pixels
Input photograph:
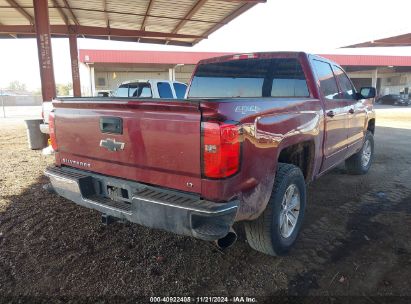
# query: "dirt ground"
{"type": "Point", "coordinates": [355, 239]}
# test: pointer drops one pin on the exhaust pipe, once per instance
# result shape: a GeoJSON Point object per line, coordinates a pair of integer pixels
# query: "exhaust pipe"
{"type": "Point", "coordinates": [227, 241]}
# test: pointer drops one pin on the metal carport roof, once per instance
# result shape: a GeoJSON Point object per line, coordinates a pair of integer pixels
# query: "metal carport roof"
{"type": "Point", "coordinates": [400, 40]}
{"type": "Point", "coordinates": [182, 22]}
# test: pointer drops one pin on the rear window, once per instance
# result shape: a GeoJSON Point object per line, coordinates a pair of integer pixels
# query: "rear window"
{"type": "Point", "coordinates": [134, 89]}
{"type": "Point", "coordinates": [277, 77]}
{"type": "Point", "coordinates": [122, 91]}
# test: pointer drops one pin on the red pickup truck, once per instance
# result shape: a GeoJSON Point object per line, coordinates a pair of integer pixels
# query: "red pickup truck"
{"type": "Point", "coordinates": [253, 131]}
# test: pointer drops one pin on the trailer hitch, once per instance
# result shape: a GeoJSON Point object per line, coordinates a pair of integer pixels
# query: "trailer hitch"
{"type": "Point", "coordinates": [108, 219]}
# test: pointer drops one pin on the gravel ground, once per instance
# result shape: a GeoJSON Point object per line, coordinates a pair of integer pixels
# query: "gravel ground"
{"type": "Point", "coordinates": [355, 239]}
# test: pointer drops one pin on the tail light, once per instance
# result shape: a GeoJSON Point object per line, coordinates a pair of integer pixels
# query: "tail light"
{"type": "Point", "coordinates": [221, 149]}
{"type": "Point", "coordinates": [52, 128]}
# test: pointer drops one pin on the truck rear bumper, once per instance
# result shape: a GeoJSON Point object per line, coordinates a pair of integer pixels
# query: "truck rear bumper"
{"type": "Point", "coordinates": [153, 207]}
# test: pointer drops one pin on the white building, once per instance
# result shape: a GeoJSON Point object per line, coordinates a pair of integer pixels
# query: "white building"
{"type": "Point", "coordinates": [106, 69]}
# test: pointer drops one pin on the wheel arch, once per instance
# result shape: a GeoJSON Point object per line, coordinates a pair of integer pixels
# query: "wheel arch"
{"type": "Point", "coordinates": [300, 154]}
{"type": "Point", "coordinates": [371, 125]}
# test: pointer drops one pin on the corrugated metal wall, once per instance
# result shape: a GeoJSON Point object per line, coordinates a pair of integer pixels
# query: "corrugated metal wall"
{"type": "Point", "coordinates": [111, 80]}
{"type": "Point", "coordinates": [395, 83]}
{"type": "Point", "coordinates": [389, 82]}
{"type": "Point", "coordinates": [183, 73]}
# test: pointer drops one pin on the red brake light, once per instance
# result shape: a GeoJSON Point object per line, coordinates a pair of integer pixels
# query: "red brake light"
{"type": "Point", "coordinates": [221, 149]}
{"type": "Point", "coordinates": [52, 129]}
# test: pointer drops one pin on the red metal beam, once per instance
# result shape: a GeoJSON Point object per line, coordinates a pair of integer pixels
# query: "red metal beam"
{"type": "Point", "coordinates": [61, 12]}
{"type": "Point", "coordinates": [106, 14]}
{"type": "Point", "coordinates": [194, 9]}
{"type": "Point", "coordinates": [67, 6]}
{"type": "Point", "coordinates": [128, 39]}
{"type": "Point", "coordinates": [151, 40]}
{"type": "Point", "coordinates": [21, 10]}
{"type": "Point", "coordinates": [92, 31]}
{"type": "Point", "coordinates": [17, 29]}
{"type": "Point", "coordinates": [75, 74]}
{"type": "Point", "coordinates": [42, 21]}
{"type": "Point", "coordinates": [11, 35]}
{"type": "Point", "coordinates": [149, 6]}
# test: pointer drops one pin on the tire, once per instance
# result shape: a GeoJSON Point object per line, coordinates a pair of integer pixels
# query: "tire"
{"type": "Point", "coordinates": [264, 234]}
{"type": "Point", "coordinates": [358, 165]}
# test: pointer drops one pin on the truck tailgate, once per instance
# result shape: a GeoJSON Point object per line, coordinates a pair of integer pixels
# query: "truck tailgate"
{"type": "Point", "coordinates": [156, 142]}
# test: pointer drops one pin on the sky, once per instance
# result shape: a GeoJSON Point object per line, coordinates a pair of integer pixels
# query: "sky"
{"type": "Point", "coordinates": [316, 26]}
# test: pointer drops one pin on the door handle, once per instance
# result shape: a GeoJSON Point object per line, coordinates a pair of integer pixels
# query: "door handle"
{"type": "Point", "coordinates": [351, 111]}
{"type": "Point", "coordinates": [330, 114]}
{"type": "Point", "coordinates": [111, 125]}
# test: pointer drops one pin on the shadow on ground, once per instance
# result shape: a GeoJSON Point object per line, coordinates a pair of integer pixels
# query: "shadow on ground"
{"type": "Point", "coordinates": [354, 242]}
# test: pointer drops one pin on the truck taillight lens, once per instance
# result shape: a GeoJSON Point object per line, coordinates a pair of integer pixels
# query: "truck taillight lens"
{"type": "Point", "coordinates": [52, 130]}
{"type": "Point", "coordinates": [221, 149]}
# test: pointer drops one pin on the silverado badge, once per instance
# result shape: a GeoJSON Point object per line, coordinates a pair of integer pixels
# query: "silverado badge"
{"type": "Point", "coordinates": [112, 144]}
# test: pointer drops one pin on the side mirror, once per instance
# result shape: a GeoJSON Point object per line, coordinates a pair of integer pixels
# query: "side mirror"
{"type": "Point", "coordinates": [367, 92]}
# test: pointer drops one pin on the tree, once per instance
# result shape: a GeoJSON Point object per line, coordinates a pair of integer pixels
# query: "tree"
{"type": "Point", "coordinates": [16, 85]}
{"type": "Point", "coordinates": [64, 89]}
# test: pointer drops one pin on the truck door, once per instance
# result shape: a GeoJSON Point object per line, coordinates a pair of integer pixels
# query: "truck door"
{"type": "Point", "coordinates": [356, 111]}
{"type": "Point", "coordinates": [336, 116]}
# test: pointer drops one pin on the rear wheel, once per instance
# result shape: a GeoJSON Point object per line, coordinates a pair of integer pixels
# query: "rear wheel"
{"type": "Point", "coordinates": [361, 161]}
{"type": "Point", "coordinates": [277, 228]}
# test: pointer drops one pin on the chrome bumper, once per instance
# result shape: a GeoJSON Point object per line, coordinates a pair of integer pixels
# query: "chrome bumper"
{"type": "Point", "coordinates": [153, 207]}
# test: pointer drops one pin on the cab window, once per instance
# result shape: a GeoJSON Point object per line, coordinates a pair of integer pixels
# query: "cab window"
{"type": "Point", "coordinates": [164, 90]}
{"type": "Point", "coordinates": [180, 89]}
{"type": "Point", "coordinates": [347, 90]}
{"type": "Point", "coordinates": [328, 85]}
{"type": "Point", "coordinates": [249, 78]}
{"type": "Point", "coordinates": [134, 89]}
{"type": "Point", "coordinates": [122, 91]}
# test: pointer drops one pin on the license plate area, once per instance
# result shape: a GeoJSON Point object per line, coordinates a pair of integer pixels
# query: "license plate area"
{"type": "Point", "coordinates": [116, 193]}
